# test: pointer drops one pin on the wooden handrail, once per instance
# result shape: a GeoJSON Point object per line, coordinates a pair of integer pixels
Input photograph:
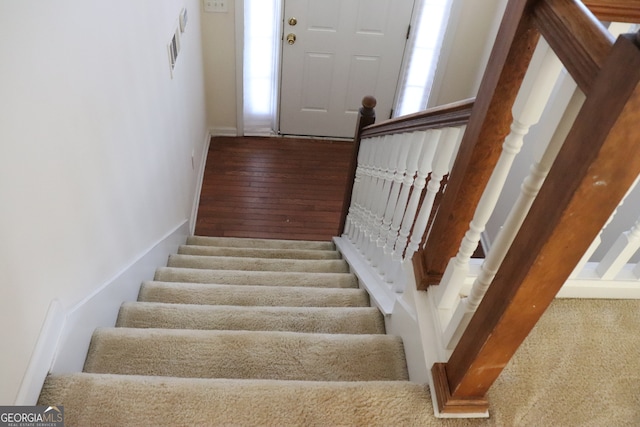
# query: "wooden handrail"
{"type": "Point", "coordinates": [480, 148]}
{"type": "Point", "coordinates": [598, 162]}
{"type": "Point", "coordinates": [576, 36]}
{"type": "Point", "coordinates": [454, 114]}
{"type": "Point", "coordinates": [615, 10]}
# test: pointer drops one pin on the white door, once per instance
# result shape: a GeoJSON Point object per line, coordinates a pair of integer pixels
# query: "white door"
{"type": "Point", "coordinates": [343, 50]}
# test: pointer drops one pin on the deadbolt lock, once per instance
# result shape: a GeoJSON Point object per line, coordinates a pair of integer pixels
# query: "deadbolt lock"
{"type": "Point", "coordinates": [293, 21]}
{"type": "Point", "coordinates": [291, 38]}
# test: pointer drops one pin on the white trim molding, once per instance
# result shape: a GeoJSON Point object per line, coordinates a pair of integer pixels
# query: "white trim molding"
{"type": "Point", "coordinates": [199, 179]}
{"type": "Point", "coordinates": [380, 293]}
{"type": "Point", "coordinates": [65, 335]}
{"type": "Point", "coordinates": [223, 131]}
{"type": "Point", "coordinates": [43, 355]}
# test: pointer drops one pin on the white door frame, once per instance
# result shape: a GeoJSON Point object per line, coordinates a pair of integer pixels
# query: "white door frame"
{"type": "Point", "coordinates": [239, 34]}
{"type": "Point", "coordinates": [239, 27]}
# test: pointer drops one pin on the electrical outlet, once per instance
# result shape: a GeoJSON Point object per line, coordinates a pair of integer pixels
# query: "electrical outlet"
{"type": "Point", "coordinates": [216, 6]}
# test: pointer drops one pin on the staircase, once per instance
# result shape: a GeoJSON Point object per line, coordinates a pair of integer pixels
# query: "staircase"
{"type": "Point", "coordinates": [245, 332]}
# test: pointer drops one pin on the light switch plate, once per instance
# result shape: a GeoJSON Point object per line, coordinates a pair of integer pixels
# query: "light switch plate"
{"type": "Point", "coordinates": [216, 6]}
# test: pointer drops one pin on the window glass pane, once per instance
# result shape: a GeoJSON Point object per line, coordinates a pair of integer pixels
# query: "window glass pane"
{"type": "Point", "coordinates": [260, 65]}
{"type": "Point", "coordinates": [423, 52]}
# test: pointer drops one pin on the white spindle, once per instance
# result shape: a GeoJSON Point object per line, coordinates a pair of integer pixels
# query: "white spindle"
{"type": "Point", "coordinates": [416, 143]}
{"type": "Point", "coordinates": [424, 168]}
{"type": "Point", "coordinates": [356, 193]}
{"type": "Point", "coordinates": [425, 162]}
{"type": "Point", "coordinates": [389, 155]}
{"type": "Point", "coordinates": [373, 189]}
{"type": "Point", "coordinates": [356, 209]}
{"type": "Point", "coordinates": [401, 168]}
{"type": "Point", "coordinates": [532, 98]}
{"type": "Point", "coordinates": [367, 189]}
{"type": "Point", "coordinates": [570, 100]}
{"type": "Point", "coordinates": [598, 240]}
{"type": "Point", "coordinates": [441, 164]}
{"type": "Point", "coordinates": [636, 270]}
{"type": "Point", "coordinates": [620, 252]}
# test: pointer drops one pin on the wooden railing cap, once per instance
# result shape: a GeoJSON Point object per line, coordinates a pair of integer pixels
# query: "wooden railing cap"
{"type": "Point", "coordinates": [369, 102]}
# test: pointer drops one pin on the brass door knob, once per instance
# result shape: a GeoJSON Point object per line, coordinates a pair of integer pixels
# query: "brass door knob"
{"type": "Point", "coordinates": [291, 38]}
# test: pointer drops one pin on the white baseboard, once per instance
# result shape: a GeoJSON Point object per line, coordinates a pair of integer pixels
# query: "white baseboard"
{"type": "Point", "coordinates": [65, 336]}
{"type": "Point", "coordinates": [380, 292]}
{"type": "Point", "coordinates": [199, 180]}
{"type": "Point", "coordinates": [42, 356]}
{"type": "Point", "coordinates": [588, 284]}
{"type": "Point", "coordinates": [223, 131]}
{"type": "Point", "coordinates": [399, 309]}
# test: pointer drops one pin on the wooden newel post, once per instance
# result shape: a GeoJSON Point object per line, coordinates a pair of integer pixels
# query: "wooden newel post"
{"type": "Point", "coordinates": [366, 117]}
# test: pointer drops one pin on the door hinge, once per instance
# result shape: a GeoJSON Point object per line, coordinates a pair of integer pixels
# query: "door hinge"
{"type": "Point", "coordinates": [408, 31]}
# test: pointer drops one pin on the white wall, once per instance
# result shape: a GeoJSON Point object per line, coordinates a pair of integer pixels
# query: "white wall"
{"type": "Point", "coordinates": [465, 51]}
{"type": "Point", "coordinates": [96, 143]}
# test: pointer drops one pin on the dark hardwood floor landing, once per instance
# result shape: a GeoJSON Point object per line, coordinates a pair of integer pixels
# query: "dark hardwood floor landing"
{"type": "Point", "coordinates": [274, 188]}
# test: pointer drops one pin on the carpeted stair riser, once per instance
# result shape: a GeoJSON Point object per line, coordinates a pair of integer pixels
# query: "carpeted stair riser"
{"type": "Point", "coordinates": [247, 295]}
{"type": "Point", "coordinates": [257, 252]}
{"type": "Point", "coordinates": [258, 264]}
{"type": "Point", "coordinates": [240, 277]}
{"type": "Point", "coordinates": [247, 332]}
{"type": "Point", "coordinates": [247, 354]}
{"type": "Point", "coordinates": [91, 399]}
{"type": "Point", "coordinates": [260, 243]}
{"type": "Point", "coordinates": [327, 320]}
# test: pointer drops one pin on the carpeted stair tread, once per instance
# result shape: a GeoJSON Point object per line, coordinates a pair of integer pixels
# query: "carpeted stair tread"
{"type": "Point", "coordinates": [238, 331]}
{"type": "Point", "coordinates": [258, 252]}
{"type": "Point", "coordinates": [246, 354]}
{"type": "Point", "coordinates": [250, 295]}
{"type": "Point", "coordinates": [95, 399]}
{"type": "Point", "coordinates": [327, 320]}
{"type": "Point", "coordinates": [239, 242]}
{"type": "Point", "coordinates": [258, 264]}
{"type": "Point", "coordinates": [241, 277]}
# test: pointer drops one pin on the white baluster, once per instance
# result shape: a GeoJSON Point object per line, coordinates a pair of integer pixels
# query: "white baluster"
{"type": "Point", "coordinates": [636, 271]}
{"type": "Point", "coordinates": [349, 228]}
{"type": "Point", "coordinates": [367, 189]}
{"type": "Point", "coordinates": [620, 252]}
{"type": "Point", "coordinates": [404, 145]}
{"type": "Point", "coordinates": [415, 142]}
{"type": "Point", "coordinates": [391, 152]}
{"type": "Point", "coordinates": [373, 188]}
{"type": "Point", "coordinates": [364, 166]}
{"type": "Point", "coordinates": [529, 190]}
{"type": "Point", "coordinates": [532, 98]}
{"type": "Point", "coordinates": [382, 153]}
{"type": "Point", "coordinates": [425, 161]}
{"type": "Point", "coordinates": [598, 240]}
{"type": "Point", "coordinates": [424, 169]}
{"type": "Point", "coordinates": [449, 142]}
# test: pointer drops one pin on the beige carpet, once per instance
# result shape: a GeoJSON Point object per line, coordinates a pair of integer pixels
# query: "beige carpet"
{"type": "Point", "coordinates": [258, 348]}
{"type": "Point", "coordinates": [323, 320]}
